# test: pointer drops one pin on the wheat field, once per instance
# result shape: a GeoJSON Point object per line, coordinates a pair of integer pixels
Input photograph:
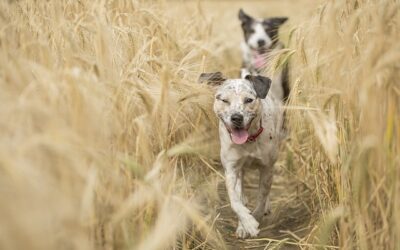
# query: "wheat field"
{"type": "Point", "coordinates": [108, 141]}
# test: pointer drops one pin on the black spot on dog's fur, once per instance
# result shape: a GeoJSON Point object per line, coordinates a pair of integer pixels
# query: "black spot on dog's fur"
{"type": "Point", "coordinates": [261, 85]}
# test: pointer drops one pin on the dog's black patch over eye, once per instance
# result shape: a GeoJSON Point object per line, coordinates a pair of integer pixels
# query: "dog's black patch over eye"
{"type": "Point", "coordinates": [247, 23]}
{"type": "Point", "coordinates": [271, 31]}
{"type": "Point", "coordinates": [247, 30]}
{"type": "Point", "coordinates": [248, 100]}
{"type": "Point", "coordinates": [271, 26]}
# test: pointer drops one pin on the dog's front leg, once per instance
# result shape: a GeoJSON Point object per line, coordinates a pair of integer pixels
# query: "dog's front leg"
{"type": "Point", "coordinates": [247, 224]}
{"type": "Point", "coordinates": [239, 187]}
{"type": "Point", "coordinates": [265, 183]}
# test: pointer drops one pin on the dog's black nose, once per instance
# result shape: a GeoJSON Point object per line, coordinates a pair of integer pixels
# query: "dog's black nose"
{"type": "Point", "coordinates": [261, 43]}
{"type": "Point", "coordinates": [237, 119]}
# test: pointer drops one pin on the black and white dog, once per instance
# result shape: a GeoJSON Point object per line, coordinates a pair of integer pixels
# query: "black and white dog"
{"type": "Point", "coordinates": [260, 39]}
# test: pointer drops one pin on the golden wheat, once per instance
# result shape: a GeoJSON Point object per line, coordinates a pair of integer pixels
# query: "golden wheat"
{"type": "Point", "coordinates": [346, 66]}
{"type": "Point", "coordinates": [108, 142]}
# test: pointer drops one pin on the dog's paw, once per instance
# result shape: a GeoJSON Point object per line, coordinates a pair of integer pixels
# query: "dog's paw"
{"type": "Point", "coordinates": [241, 232]}
{"type": "Point", "coordinates": [250, 225]}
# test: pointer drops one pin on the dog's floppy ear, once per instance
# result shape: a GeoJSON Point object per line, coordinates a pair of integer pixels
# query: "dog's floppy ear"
{"type": "Point", "coordinates": [261, 85]}
{"type": "Point", "coordinates": [243, 17]}
{"type": "Point", "coordinates": [212, 79]}
{"type": "Point", "coordinates": [276, 21]}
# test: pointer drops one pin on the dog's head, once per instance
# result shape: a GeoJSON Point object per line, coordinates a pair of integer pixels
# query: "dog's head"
{"type": "Point", "coordinates": [237, 101]}
{"type": "Point", "coordinates": [260, 34]}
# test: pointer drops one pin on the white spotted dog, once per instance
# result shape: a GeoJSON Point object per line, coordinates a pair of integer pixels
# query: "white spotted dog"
{"type": "Point", "coordinates": [260, 39]}
{"type": "Point", "coordinates": [250, 133]}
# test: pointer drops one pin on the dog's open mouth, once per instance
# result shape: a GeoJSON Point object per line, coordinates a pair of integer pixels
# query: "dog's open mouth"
{"type": "Point", "coordinates": [239, 135]}
{"type": "Point", "coordinates": [259, 58]}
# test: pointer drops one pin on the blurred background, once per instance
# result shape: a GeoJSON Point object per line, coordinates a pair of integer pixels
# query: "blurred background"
{"type": "Point", "coordinates": [108, 142]}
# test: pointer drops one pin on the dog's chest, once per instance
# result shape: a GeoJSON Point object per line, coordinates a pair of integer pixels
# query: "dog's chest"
{"type": "Point", "coordinates": [249, 162]}
{"type": "Point", "coordinates": [261, 149]}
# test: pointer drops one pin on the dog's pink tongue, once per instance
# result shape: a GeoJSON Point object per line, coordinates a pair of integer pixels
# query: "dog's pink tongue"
{"type": "Point", "coordinates": [259, 60]}
{"type": "Point", "coordinates": [239, 136]}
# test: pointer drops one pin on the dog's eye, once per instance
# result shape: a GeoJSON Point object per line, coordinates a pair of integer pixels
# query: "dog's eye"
{"type": "Point", "coordinates": [225, 100]}
{"type": "Point", "coordinates": [248, 100]}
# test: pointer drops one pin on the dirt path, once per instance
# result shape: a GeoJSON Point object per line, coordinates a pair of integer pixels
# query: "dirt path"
{"type": "Point", "coordinates": [287, 223]}
{"type": "Point", "coordinates": [290, 215]}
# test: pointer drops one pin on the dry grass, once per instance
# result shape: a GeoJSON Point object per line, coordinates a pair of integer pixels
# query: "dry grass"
{"type": "Point", "coordinates": [347, 67]}
{"type": "Point", "coordinates": [107, 142]}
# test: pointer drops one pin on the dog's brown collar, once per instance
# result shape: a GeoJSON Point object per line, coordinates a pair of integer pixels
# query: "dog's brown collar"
{"type": "Point", "coordinates": [253, 138]}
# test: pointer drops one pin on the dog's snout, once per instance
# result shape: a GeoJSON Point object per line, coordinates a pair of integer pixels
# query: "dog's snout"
{"type": "Point", "coordinates": [237, 119]}
{"type": "Point", "coordinates": [261, 43]}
